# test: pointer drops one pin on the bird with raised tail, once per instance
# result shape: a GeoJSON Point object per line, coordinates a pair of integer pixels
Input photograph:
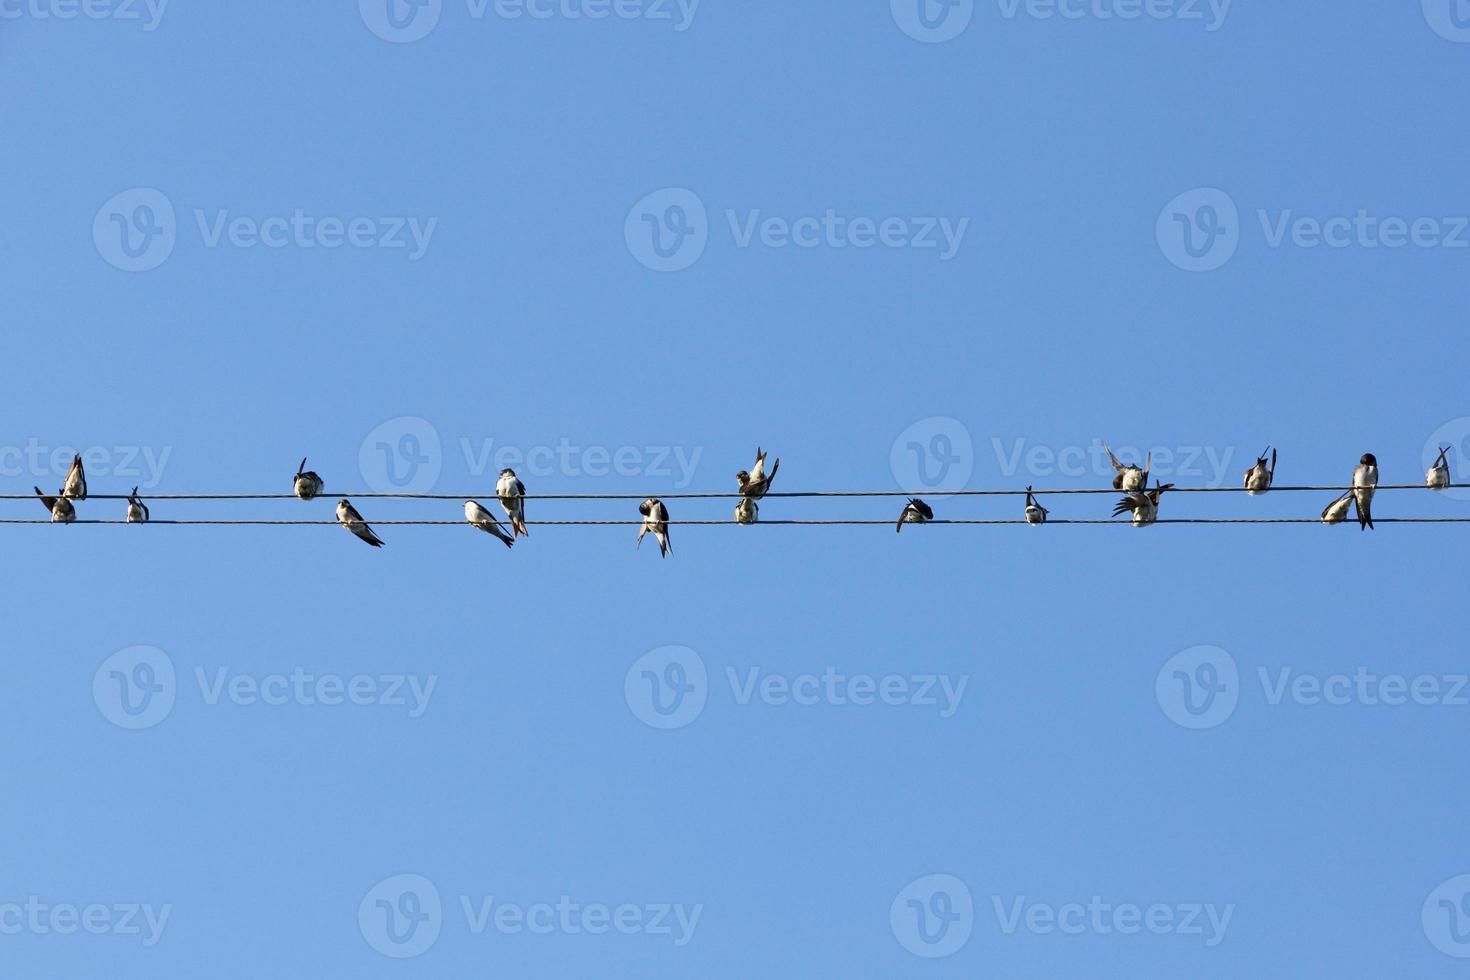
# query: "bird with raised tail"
{"type": "Point", "coordinates": [75, 486]}
{"type": "Point", "coordinates": [915, 512]}
{"type": "Point", "coordinates": [60, 508]}
{"type": "Point", "coordinates": [1130, 478]}
{"type": "Point", "coordinates": [757, 482]}
{"type": "Point", "coordinates": [481, 518]}
{"type": "Point", "coordinates": [349, 518]}
{"type": "Point", "coordinates": [1365, 482]}
{"type": "Point", "coordinates": [655, 521]}
{"type": "Point", "coordinates": [1438, 476]}
{"type": "Point", "coordinates": [307, 484]}
{"type": "Point", "coordinates": [1258, 478]}
{"type": "Point", "coordinates": [1337, 511]}
{"type": "Point", "coordinates": [1144, 504]}
{"type": "Point", "coordinates": [512, 494]}
{"type": "Point", "coordinates": [137, 510]}
{"type": "Point", "coordinates": [1035, 513]}
{"type": "Point", "coordinates": [746, 512]}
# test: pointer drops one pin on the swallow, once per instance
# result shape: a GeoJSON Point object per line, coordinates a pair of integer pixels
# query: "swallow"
{"type": "Point", "coordinates": [1336, 512]}
{"type": "Point", "coordinates": [137, 510]}
{"type": "Point", "coordinates": [480, 518]}
{"type": "Point", "coordinates": [746, 512]}
{"type": "Point", "coordinates": [349, 518]}
{"type": "Point", "coordinates": [1035, 513]}
{"type": "Point", "coordinates": [755, 483]}
{"type": "Point", "coordinates": [60, 509]}
{"type": "Point", "coordinates": [1144, 504]}
{"type": "Point", "coordinates": [1365, 481]}
{"type": "Point", "coordinates": [1130, 479]}
{"type": "Point", "coordinates": [1438, 476]}
{"type": "Point", "coordinates": [307, 484]}
{"type": "Point", "coordinates": [512, 494]}
{"type": "Point", "coordinates": [915, 512]}
{"type": "Point", "coordinates": [75, 486]}
{"type": "Point", "coordinates": [655, 519]}
{"type": "Point", "coordinates": [1258, 478]}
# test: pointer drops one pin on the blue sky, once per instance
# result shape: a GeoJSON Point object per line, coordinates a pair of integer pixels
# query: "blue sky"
{"type": "Point", "coordinates": [418, 247]}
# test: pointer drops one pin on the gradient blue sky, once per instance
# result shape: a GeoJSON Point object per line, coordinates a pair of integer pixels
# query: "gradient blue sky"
{"type": "Point", "coordinates": [1062, 319]}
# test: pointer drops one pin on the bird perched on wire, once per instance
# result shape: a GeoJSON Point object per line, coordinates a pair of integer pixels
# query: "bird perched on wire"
{"type": "Point", "coordinates": [137, 510]}
{"type": "Point", "coordinates": [1143, 503]}
{"type": "Point", "coordinates": [512, 494]}
{"type": "Point", "coordinates": [60, 508]}
{"type": "Point", "coordinates": [755, 483]}
{"type": "Point", "coordinates": [655, 520]}
{"type": "Point", "coordinates": [746, 512]}
{"type": "Point", "coordinates": [1336, 512]}
{"type": "Point", "coordinates": [1438, 476]}
{"type": "Point", "coordinates": [75, 486]}
{"type": "Point", "coordinates": [1365, 482]}
{"type": "Point", "coordinates": [349, 518]}
{"type": "Point", "coordinates": [307, 484]}
{"type": "Point", "coordinates": [1035, 513]}
{"type": "Point", "coordinates": [915, 512]}
{"type": "Point", "coordinates": [1130, 478]}
{"type": "Point", "coordinates": [1258, 478]}
{"type": "Point", "coordinates": [482, 519]}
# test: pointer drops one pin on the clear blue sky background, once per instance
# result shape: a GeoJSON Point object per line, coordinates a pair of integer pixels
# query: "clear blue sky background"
{"type": "Point", "coordinates": [528, 321]}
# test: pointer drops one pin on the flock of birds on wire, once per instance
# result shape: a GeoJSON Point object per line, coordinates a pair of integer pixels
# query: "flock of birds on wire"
{"type": "Point", "coordinates": [1141, 501]}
